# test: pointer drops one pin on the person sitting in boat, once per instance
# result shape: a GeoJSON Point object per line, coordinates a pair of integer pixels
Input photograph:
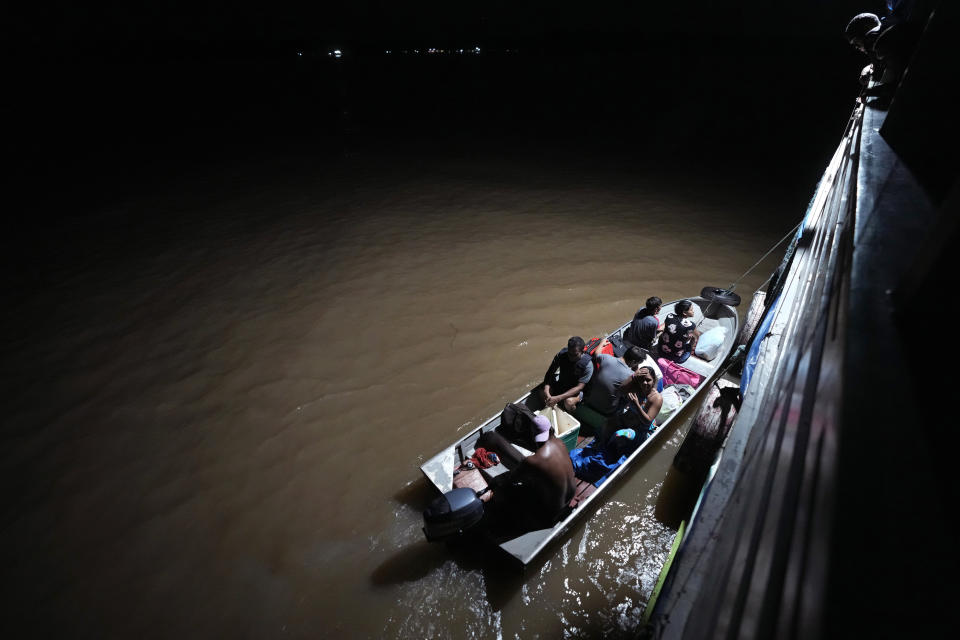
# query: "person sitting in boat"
{"type": "Point", "coordinates": [645, 325]}
{"type": "Point", "coordinates": [680, 334]}
{"type": "Point", "coordinates": [565, 389]}
{"type": "Point", "coordinates": [609, 373]}
{"type": "Point", "coordinates": [536, 490]}
{"type": "Point", "coordinates": [640, 401]}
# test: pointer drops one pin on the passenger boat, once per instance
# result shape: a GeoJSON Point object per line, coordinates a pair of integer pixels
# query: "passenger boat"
{"type": "Point", "coordinates": [461, 483]}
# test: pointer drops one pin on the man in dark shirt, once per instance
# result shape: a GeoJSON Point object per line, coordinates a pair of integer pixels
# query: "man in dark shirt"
{"type": "Point", "coordinates": [642, 331]}
{"type": "Point", "coordinates": [567, 375]}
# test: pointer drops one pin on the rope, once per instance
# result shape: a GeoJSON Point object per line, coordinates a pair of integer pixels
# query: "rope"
{"type": "Point", "coordinates": [757, 263]}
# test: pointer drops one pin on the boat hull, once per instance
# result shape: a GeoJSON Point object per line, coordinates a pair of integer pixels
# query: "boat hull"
{"type": "Point", "coordinates": [440, 469]}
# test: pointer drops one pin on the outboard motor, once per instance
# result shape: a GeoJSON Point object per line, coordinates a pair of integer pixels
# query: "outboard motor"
{"type": "Point", "coordinates": [451, 514]}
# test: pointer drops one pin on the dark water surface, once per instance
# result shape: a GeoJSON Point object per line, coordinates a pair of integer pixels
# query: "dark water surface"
{"type": "Point", "coordinates": [224, 362]}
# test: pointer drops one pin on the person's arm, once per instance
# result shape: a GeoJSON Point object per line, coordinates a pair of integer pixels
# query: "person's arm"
{"type": "Point", "coordinates": [581, 384]}
{"type": "Point", "coordinates": [552, 369]}
{"type": "Point", "coordinates": [493, 441]}
{"type": "Point", "coordinates": [654, 402]}
{"type": "Point", "coordinates": [599, 350]}
{"type": "Point", "coordinates": [569, 393]}
{"type": "Point", "coordinates": [649, 407]}
{"type": "Point", "coordinates": [664, 330]}
{"type": "Point", "coordinates": [548, 378]}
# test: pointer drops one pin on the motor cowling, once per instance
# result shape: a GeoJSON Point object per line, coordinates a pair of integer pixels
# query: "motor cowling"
{"type": "Point", "coordinates": [451, 514]}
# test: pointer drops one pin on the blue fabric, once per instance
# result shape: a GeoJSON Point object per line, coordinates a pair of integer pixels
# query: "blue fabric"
{"type": "Point", "coordinates": [595, 462]}
{"type": "Point", "coordinates": [754, 353]}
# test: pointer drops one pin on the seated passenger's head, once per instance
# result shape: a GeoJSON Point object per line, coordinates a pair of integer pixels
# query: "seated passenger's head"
{"type": "Point", "coordinates": [862, 30]}
{"type": "Point", "coordinates": [622, 442]}
{"type": "Point", "coordinates": [684, 308]}
{"type": "Point", "coordinates": [653, 304]}
{"type": "Point", "coordinates": [646, 378]}
{"type": "Point", "coordinates": [634, 356]}
{"type": "Point", "coordinates": [575, 347]}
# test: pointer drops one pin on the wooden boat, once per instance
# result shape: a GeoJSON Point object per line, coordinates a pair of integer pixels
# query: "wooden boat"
{"type": "Point", "coordinates": [449, 472]}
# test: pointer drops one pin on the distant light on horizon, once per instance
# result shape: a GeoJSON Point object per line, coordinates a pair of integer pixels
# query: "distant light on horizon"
{"type": "Point", "coordinates": [430, 51]}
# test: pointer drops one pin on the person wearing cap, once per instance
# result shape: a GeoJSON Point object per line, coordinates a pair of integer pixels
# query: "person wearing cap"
{"type": "Point", "coordinates": [536, 490]}
{"type": "Point", "coordinates": [533, 435]}
{"type": "Point", "coordinates": [567, 376]}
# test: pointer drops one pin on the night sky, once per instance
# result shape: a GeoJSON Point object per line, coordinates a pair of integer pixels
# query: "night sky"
{"type": "Point", "coordinates": [62, 27]}
{"type": "Point", "coordinates": [112, 103]}
{"type": "Point", "coordinates": [110, 95]}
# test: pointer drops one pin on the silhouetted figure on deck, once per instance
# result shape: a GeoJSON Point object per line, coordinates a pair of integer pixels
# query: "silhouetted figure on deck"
{"type": "Point", "coordinates": [888, 42]}
{"type": "Point", "coordinates": [862, 32]}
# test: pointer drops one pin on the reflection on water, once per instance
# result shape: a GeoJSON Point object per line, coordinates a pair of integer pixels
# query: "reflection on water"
{"type": "Point", "coordinates": [221, 399]}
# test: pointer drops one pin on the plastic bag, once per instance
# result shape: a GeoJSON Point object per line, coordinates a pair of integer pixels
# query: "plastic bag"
{"type": "Point", "coordinates": [672, 400]}
{"type": "Point", "coordinates": [708, 346]}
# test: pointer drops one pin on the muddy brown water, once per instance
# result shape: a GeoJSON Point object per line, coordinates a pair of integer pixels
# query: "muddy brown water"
{"type": "Point", "coordinates": [218, 395]}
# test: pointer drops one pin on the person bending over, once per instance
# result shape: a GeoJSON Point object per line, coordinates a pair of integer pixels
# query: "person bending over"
{"type": "Point", "coordinates": [609, 373]}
